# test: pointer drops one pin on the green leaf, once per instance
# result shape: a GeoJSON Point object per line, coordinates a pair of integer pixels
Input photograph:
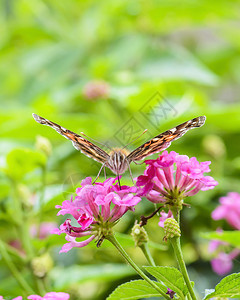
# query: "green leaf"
{"type": "Point", "coordinates": [135, 289]}
{"type": "Point", "coordinates": [177, 63]}
{"type": "Point", "coordinates": [23, 160]}
{"type": "Point", "coordinates": [62, 277]}
{"type": "Point", "coordinates": [171, 277]}
{"type": "Point", "coordinates": [229, 287]}
{"type": "Point", "coordinates": [231, 237]}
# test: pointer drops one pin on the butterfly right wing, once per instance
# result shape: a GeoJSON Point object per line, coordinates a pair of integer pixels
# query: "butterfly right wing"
{"type": "Point", "coordinates": [163, 140]}
{"type": "Point", "coordinates": [80, 143]}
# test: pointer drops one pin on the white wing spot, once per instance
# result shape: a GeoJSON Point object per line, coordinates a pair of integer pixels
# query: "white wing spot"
{"type": "Point", "coordinates": [173, 130]}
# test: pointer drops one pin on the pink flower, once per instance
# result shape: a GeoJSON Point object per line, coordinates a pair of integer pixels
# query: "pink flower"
{"type": "Point", "coordinates": [44, 231]}
{"type": "Point", "coordinates": [215, 244]}
{"type": "Point", "coordinates": [223, 263]}
{"type": "Point", "coordinates": [172, 177]}
{"type": "Point", "coordinates": [18, 246]}
{"type": "Point", "coordinates": [229, 209]}
{"type": "Point", "coordinates": [50, 296]}
{"type": "Point", "coordinates": [96, 89]}
{"type": "Point", "coordinates": [56, 296]}
{"type": "Point", "coordinates": [163, 217]}
{"type": "Point", "coordinates": [170, 292]}
{"type": "Point", "coordinates": [96, 209]}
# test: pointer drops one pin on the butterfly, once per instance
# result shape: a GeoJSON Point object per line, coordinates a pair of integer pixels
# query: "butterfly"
{"type": "Point", "coordinates": [118, 160]}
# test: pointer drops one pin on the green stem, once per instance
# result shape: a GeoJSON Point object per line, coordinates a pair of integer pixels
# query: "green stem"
{"type": "Point", "coordinates": [25, 238]}
{"type": "Point", "coordinates": [41, 198]}
{"type": "Point", "coordinates": [24, 232]}
{"type": "Point", "coordinates": [14, 252]}
{"type": "Point", "coordinates": [147, 254]}
{"type": "Point", "coordinates": [41, 286]}
{"type": "Point", "coordinates": [40, 282]}
{"type": "Point", "coordinates": [178, 253]}
{"type": "Point", "coordinates": [17, 203]}
{"type": "Point", "coordinates": [22, 221]}
{"type": "Point", "coordinates": [113, 240]}
{"type": "Point", "coordinates": [14, 270]}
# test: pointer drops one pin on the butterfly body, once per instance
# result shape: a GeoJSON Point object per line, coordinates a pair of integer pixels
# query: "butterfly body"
{"type": "Point", "coordinates": [118, 160]}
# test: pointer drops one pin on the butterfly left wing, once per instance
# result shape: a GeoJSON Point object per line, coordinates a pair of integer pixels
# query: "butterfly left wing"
{"type": "Point", "coordinates": [163, 140]}
{"type": "Point", "coordinates": [80, 143]}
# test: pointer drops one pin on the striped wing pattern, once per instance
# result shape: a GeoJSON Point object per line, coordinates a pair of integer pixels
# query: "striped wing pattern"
{"type": "Point", "coordinates": [117, 160]}
{"type": "Point", "coordinates": [80, 143]}
{"type": "Point", "coordinates": [163, 140]}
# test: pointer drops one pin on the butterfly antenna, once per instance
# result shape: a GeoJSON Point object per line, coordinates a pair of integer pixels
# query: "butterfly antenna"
{"type": "Point", "coordinates": [105, 145]}
{"type": "Point", "coordinates": [135, 139]}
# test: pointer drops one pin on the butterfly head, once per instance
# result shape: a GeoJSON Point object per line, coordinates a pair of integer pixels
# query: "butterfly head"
{"type": "Point", "coordinates": [117, 161]}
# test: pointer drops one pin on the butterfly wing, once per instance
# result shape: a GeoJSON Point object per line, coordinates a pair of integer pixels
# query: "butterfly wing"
{"type": "Point", "coordinates": [78, 141]}
{"type": "Point", "coordinates": [163, 140]}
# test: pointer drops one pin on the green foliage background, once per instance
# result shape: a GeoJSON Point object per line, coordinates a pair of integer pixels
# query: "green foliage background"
{"type": "Point", "coordinates": [186, 51]}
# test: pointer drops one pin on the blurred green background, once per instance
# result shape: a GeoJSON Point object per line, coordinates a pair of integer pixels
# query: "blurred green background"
{"type": "Point", "coordinates": [111, 69]}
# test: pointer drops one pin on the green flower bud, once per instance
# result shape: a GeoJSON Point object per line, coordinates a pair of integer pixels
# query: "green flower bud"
{"type": "Point", "coordinates": [171, 228]}
{"type": "Point", "coordinates": [139, 235]}
{"type": "Point", "coordinates": [41, 265]}
{"type": "Point", "coordinates": [214, 146]}
{"type": "Point", "coordinates": [25, 195]}
{"type": "Point", "coordinates": [43, 145]}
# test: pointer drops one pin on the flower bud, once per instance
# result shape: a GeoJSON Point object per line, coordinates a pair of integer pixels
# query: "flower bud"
{"type": "Point", "coordinates": [171, 228]}
{"type": "Point", "coordinates": [214, 146]}
{"type": "Point", "coordinates": [43, 145]}
{"type": "Point", "coordinates": [25, 195]}
{"type": "Point", "coordinates": [139, 235]}
{"type": "Point", "coordinates": [95, 90]}
{"type": "Point", "coordinates": [41, 265]}
{"type": "Point", "coordinates": [170, 292]}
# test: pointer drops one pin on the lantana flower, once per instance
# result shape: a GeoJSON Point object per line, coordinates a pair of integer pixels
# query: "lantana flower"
{"type": "Point", "coordinates": [96, 209]}
{"type": "Point", "coordinates": [222, 263]}
{"type": "Point", "coordinates": [48, 296]}
{"type": "Point", "coordinates": [172, 177]}
{"type": "Point", "coordinates": [229, 209]}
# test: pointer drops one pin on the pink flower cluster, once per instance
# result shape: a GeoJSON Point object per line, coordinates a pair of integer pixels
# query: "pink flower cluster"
{"type": "Point", "coordinates": [223, 262]}
{"type": "Point", "coordinates": [48, 296]}
{"type": "Point", "coordinates": [96, 209]}
{"type": "Point", "coordinates": [173, 176]}
{"type": "Point", "coordinates": [229, 209]}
